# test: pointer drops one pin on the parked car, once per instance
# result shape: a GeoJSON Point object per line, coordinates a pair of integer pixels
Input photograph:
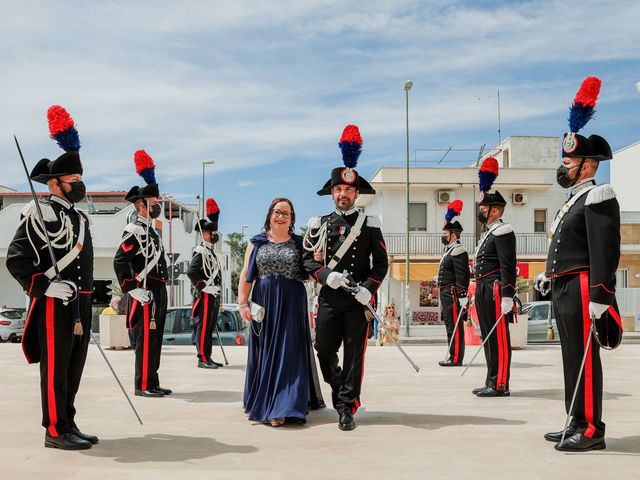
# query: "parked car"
{"type": "Point", "coordinates": [539, 314]}
{"type": "Point", "coordinates": [179, 326]}
{"type": "Point", "coordinates": [11, 325]}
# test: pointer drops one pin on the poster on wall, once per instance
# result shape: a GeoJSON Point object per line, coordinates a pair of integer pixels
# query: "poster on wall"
{"type": "Point", "coordinates": [429, 313]}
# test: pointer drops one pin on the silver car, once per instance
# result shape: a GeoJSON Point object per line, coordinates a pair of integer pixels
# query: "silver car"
{"type": "Point", "coordinates": [540, 315]}
{"type": "Point", "coordinates": [11, 325]}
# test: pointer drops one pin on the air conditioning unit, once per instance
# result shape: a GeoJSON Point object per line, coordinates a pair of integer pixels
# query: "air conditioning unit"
{"type": "Point", "coordinates": [446, 196]}
{"type": "Point", "coordinates": [519, 198]}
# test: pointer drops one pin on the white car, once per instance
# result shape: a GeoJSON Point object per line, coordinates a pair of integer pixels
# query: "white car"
{"type": "Point", "coordinates": [11, 325]}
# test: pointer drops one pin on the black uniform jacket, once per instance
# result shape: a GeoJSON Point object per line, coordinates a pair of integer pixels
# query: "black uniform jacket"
{"type": "Point", "coordinates": [496, 258]}
{"type": "Point", "coordinates": [454, 269]}
{"type": "Point", "coordinates": [587, 238]}
{"type": "Point", "coordinates": [365, 260]}
{"type": "Point", "coordinates": [28, 257]}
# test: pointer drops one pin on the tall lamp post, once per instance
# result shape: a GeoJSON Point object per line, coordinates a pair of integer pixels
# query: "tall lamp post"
{"type": "Point", "coordinates": [407, 308]}
{"type": "Point", "coordinates": [204, 164]}
{"type": "Point", "coordinates": [243, 228]}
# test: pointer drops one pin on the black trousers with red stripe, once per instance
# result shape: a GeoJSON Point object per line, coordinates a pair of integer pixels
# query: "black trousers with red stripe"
{"type": "Point", "coordinates": [207, 311]}
{"type": "Point", "coordinates": [149, 341]}
{"type": "Point", "coordinates": [450, 310]}
{"type": "Point", "coordinates": [571, 308]}
{"type": "Point", "coordinates": [341, 321]}
{"type": "Point", "coordinates": [62, 359]}
{"type": "Point", "coordinates": [497, 350]}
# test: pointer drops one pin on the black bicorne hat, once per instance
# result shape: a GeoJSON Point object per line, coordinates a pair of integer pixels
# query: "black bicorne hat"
{"type": "Point", "coordinates": [453, 226]}
{"type": "Point", "coordinates": [595, 147]}
{"type": "Point", "coordinates": [148, 191]}
{"type": "Point", "coordinates": [210, 224]}
{"type": "Point", "coordinates": [487, 175]}
{"type": "Point", "coordinates": [66, 164]}
{"type": "Point", "coordinates": [146, 168]}
{"type": "Point", "coordinates": [454, 209]}
{"type": "Point", "coordinates": [351, 146]}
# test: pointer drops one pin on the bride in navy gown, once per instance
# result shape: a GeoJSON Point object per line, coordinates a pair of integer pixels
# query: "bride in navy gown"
{"type": "Point", "coordinates": [281, 379]}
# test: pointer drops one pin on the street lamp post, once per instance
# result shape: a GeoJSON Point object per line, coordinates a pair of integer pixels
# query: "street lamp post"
{"type": "Point", "coordinates": [243, 228]}
{"type": "Point", "coordinates": [407, 309]}
{"type": "Point", "coordinates": [204, 163]}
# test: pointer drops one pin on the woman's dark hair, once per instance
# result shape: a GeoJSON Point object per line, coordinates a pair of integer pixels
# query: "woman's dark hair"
{"type": "Point", "coordinates": [267, 222]}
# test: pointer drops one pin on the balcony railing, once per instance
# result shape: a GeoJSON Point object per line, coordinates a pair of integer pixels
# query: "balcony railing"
{"type": "Point", "coordinates": [422, 243]}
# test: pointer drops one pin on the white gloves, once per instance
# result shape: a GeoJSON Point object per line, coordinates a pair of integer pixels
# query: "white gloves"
{"type": "Point", "coordinates": [597, 309]}
{"type": "Point", "coordinates": [363, 295]}
{"type": "Point", "coordinates": [212, 290]}
{"type": "Point", "coordinates": [435, 280]}
{"type": "Point", "coordinates": [506, 305]}
{"type": "Point", "coordinates": [62, 290]}
{"type": "Point", "coordinates": [333, 280]}
{"type": "Point", "coordinates": [542, 283]}
{"type": "Point", "coordinates": [140, 294]}
{"type": "Point", "coordinates": [463, 301]}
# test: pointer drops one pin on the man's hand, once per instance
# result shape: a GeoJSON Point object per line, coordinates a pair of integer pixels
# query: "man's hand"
{"type": "Point", "coordinates": [506, 305]}
{"type": "Point", "coordinates": [542, 283]}
{"type": "Point", "coordinates": [334, 280]}
{"type": "Point", "coordinates": [597, 309]}
{"type": "Point", "coordinates": [212, 290]}
{"type": "Point", "coordinates": [140, 294]}
{"type": "Point", "coordinates": [318, 255]}
{"type": "Point", "coordinates": [363, 295]}
{"type": "Point", "coordinates": [62, 290]}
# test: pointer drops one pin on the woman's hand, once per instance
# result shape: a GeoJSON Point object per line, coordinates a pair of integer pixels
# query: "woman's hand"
{"type": "Point", "coordinates": [318, 255]}
{"type": "Point", "coordinates": [245, 311]}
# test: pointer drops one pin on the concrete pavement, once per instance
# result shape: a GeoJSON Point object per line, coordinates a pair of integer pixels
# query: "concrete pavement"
{"type": "Point", "coordinates": [425, 425]}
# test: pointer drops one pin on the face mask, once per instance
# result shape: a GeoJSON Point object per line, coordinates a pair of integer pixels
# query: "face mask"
{"type": "Point", "coordinates": [562, 177]}
{"type": "Point", "coordinates": [214, 238]}
{"type": "Point", "coordinates": [444, 240]}
{"type": "Point", "coordinates": [77, 193]}
{"type": "Point", "coordinates": [482, 218]}
{"type": "Point", "coordinates": [156, 210]}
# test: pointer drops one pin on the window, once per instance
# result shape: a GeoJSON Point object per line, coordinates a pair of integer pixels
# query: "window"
{"type": "Point", "coordinates": [622, 278]}
{"type": "Point", "coordinates": [418, 217]}
{"type": "Point", "coordinates": [539, 221]}
{"type": "Point", "coordinates": [505, 158]}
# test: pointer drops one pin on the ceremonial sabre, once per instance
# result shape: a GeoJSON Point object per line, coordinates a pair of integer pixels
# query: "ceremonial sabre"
{"type": "Point", "coordinates": [346, 283]}
{"type": "Point", "coordinates": [454, 332]}
{"type": "Point", "coordinates": [482, 345]}
{"type": "Point", "coordinates": [575, 390]}
{"type": "Point", "coordinates": [59, 278]}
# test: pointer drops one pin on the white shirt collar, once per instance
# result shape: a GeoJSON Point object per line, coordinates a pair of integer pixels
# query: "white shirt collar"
{"type": "Point", "coordinates": [143, 220]}
{"type": "Point", "coordinates": [61, 201]}
{"type": "Point", "coordinates": [348, 212]}
{"type": "Point", "coordinates": [582, 185]}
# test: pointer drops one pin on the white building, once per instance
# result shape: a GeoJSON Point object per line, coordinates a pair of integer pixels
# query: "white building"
{"type": "Point", "coordinates": [527, 180]}
{"type": "Point", "coordinates": [624, 174]}
{"type": "Point", "coordinates": [109, 213]}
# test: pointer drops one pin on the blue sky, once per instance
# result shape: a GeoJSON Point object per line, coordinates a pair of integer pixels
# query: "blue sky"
{"type": "Point", "coordinates": [265, 88]}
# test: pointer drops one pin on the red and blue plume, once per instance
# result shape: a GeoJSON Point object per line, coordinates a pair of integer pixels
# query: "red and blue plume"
{"type": "Point", "coordinates": [584, 104]}
{"type": "Point", "coordinates": [351, 146]}
{"type": "Point", "coordinates": [62, 128]}
{"type": "Point", "coordinates": [454, 209]}
{"type": "Point", "coordinates": [488, 173]}
{"type": "Point", "coordinates": [145, 166]}
{"type": "Point", "coordinates": [213, 210]}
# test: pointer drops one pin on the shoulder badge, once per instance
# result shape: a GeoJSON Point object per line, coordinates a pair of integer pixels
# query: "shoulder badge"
{"type": "Point", "coordinates": [48, 213]}
{"type": "Point", "coordinates": [200, 249]}
{"type": "Point", "coordinates": [134, 229]}
{"type": "Point", "coordinates": [314, 223]}
{"type": "Point", "coordinates": [503, 230]}
{"type": "Point", "coordinates": [599, 194]}
{"type": "Point", "coordinates": [374, 221]}
{"type": "Point", "coordinates": [458, 250]}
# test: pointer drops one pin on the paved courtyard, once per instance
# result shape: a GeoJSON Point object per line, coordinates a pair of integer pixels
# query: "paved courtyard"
{"type": "Point", "coordinates": [425, 425]}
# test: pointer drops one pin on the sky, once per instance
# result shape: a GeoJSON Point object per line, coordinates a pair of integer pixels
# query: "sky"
{"type": "Point", "coordinates": [265, 88]}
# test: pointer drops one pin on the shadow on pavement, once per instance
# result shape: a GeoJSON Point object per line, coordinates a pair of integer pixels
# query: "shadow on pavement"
{"type": "Point", "coordinates": [624, 445]}
{"type": "Point", "coordinates": [558, 394]}
{"type": "Point", "coordinates": [209, 396]}
{"type": "Point", "coordinates": [163, 448]}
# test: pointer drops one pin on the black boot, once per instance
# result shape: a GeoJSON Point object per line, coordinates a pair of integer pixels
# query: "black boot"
{"type": "Point", "coordinates": [165, 391]}
{"type": "Point", "coordinates": [149, 393]}
{"type": "Point", "coordinates": [476, 390]}
{"type": "Point", "coordinates": [449, 363]}
{"type": "Point", "coordinates": [346, 421]}
{"type": "Point", "coordinates": [557, 436]}
{"type": "Point", "coordinates": [66, 441]}
{"type": "Point", "coordinates": [207, 365]}
{"type": "Point", "coordinates": [579, 443]}
{"type": "Point", "coordinates": [92, 439]}
{"type": "Point", "coordinates": [492, 392]}
{"type": "Point", "coordinates": [215, 363]}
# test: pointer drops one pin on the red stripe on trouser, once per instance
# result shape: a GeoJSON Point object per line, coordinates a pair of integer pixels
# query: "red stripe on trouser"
{"type": "Point", "coordinates": [51, 365]}
{"type": "Point", "coordinates": [456, 349]}
{"type": "Point", "coordinates": [133, 310]}
{"type": "Point", "coordinates": [145, 348]}
{"type": "Point", "coordinates": [366, 341]}
{"type": "Point", "coordinates": [588, 364]}
{"type": "Point", "coordinates": [205, 314]}
{"type": "Point", "coordinates": [503, 352]}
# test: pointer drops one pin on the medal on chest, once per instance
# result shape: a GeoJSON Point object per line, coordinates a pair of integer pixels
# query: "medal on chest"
{"type": "Point", "coordinates": [342, 231]}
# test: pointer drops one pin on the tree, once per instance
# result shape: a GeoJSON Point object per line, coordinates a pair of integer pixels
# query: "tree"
{"type": "Point", "coordinates": [238, 246]}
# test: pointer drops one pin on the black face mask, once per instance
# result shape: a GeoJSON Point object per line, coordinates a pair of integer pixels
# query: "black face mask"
{"type": "Point", "coordinates": [562, 177]}
{"type": "Point", "coordinates": [444, 240]}
{"type": "Point", "coordinates": [156, 210]}
{"type": "Point", "coordinates": [482, 218]}
{"type": "Point", "coordinates": [77, 193]}
{"type": "Point", "coordinates": [214, 238]}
